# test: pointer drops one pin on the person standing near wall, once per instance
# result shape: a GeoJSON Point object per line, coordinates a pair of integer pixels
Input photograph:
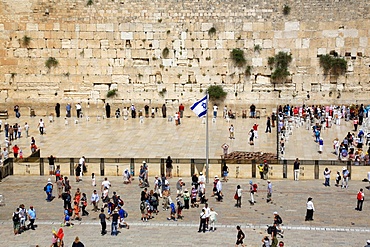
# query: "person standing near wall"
{"type": "Point", "coordinates": [296, 169]}
{"type": "Point", "coordinates": [57, 110]}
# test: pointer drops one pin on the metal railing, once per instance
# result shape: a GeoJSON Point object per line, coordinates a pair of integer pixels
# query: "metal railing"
{"type": "Point", "coordinates": [105, 166]}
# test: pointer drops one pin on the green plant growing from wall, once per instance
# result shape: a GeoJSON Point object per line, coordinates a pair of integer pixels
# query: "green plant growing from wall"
{"type": "Point", "coordinates": [179, 76]}
{"type": "Point", "coordinates": [212, 31]}
{"type": "Point", "coordinates": [286, 9]}
{"type": "Point", "coordinates": [162, 92]}
{"type": "Point", "coordinates": [248, 70]}
{"type": "Point", "coordinates": [238, 58]}
{"type": "Point", "coordinates": [333, 65]}
{"type": "Point", "coordinates": [112, 93]}
{"type": "Point", "coordinates": [216, 93]}
{"type": "Point", "coordinates": [51, 62]}
{"type": "Point", "coordinates": [257, 48]}
{"type": "Point", "coordinates": [165, 52]}
{"type": "Point", "coordinates": [281, 63]}
{"type": "Point", "coordinates": [90, 2]}
{"type": "Point", "coordinates": [26, 40]}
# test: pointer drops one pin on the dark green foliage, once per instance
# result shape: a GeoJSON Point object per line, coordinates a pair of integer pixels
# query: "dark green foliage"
{"type": "Point", "coordinates": [216, 92]}
{"type": "Point", "coordinates": [26, 40]}
{"type": "Point", "coordinates": [51, 62]}
{"type": "Point", "coordinates": [212, 31]}
{"type": "Point", "coordinates": [165, 52]}
{"type": "Point", "coordinates": [90, 2]}
{"type": "Point", "coordinates": [112, 93]}
{"type": "Point", "coordinates": [248, 70]}
{"type": "Point", "coordinates": [281, 63]}
{"type": "Point", "coordinates": [333, 65]}
{"type": "Point", "coordinates": [238, 58]}
{"type": "Point", "coordinates": [286, 9]}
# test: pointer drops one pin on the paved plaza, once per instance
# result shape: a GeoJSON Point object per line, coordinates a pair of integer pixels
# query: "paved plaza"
{"type": "Point", "coordinates": [158, 138]}
{"type": "Point", "coordinates": [336, 222]}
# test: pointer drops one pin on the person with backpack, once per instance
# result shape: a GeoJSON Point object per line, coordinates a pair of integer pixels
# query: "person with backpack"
{"type": "Point", "coordinates": [360, 199]}
{"type": "Point", "coordinates": [49, 191]}
{"type": "Point", "coordinates": [278, 221]}
{"type": "Point", "coordinates": [122, 214]}
{"type": "Point", "coordinates": [16, 221]}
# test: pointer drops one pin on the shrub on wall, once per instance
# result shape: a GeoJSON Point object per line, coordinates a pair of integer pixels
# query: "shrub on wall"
{"type": "Point", "coordinates": [333, 65]}
{"type": "Point", "coordinates": [281, 63]}
{"type": "Point", "coordinates": [165, 52]}
{"type": "Point", "coordinates": [26, 41]}
{"type": "Point", "coordinates": [112, 93]}
{"type": "Point", "coordinates": [212, 31]}
{"type": "Point", "coordinates": [51, 62]}
{"type": "Point", "coordinates": [238, 58]}
{"type": "Point", "coordinates": [286, 9]}
{"type": "Point", "coordinates": [216, 92]}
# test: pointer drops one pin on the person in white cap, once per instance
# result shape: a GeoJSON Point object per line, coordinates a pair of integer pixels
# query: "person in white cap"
{"type": "Point", "coordinates": [49, 190]}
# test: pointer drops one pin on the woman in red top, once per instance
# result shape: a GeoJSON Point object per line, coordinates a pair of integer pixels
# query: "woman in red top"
{"type": "Point", "coordinates": [15, 151]}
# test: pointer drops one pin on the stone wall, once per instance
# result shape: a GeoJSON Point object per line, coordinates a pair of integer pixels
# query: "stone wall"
{"type": "Point", "coordinates": [119, 45]}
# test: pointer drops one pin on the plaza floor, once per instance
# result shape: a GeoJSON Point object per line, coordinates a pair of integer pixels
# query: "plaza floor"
{"type": "Point", "coordinates": [336, 222]}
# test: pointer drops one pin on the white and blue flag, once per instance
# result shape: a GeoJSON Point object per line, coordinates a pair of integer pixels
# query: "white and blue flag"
{"type": "Point", "coordinates": [200, 107]}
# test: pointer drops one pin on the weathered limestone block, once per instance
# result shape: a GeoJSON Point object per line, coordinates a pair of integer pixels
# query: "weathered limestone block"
{"type": "Point", "coordinates": [206, 26]}
{"type": "Point", "coordinates": [127, 35]}
{"type": "Point", "coordinates": [292, 26]}
{"type": "Point", "coordinates": [86, 35]}
{"type": "Point", "coordinates": [349, 33]}
{"type": "Point", "coordinates": [257, 61]}
{"type": "Point", "coordinates": [32, 27]}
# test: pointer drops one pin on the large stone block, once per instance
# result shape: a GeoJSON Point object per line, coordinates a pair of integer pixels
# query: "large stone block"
{"type": "Point", "coordinates": [292, 26]}
{"type": "Point", "coordinates": [32, 27]}
{"type": "Point", "coordinates": [127, 35]}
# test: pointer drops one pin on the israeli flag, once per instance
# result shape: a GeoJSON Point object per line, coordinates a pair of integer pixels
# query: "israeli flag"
{"type": "Point", "coordinates": [200, 107]}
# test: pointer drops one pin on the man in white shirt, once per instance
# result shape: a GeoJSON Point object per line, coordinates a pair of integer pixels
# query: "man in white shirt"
{"type": "Point", "coordinates": [41, 126]}
{"type": "Point", "coordinates": [78, 110]}
{"type": "Point", "coordinates": [95, 200]}
{"type": "Point", "coordinates": [215, 108]}
{"type": "Point", "coordinates": [207, 211]}
{"type": "Point", "coordinates": [105, 184]}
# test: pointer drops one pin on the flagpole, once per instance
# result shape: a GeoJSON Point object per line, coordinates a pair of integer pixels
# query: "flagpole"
{"type": "Point", "coordinates": [207, 141]}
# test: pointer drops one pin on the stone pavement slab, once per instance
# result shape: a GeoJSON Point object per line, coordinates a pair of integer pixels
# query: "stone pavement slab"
{"type": "Point", "coordinates": [336, 222]}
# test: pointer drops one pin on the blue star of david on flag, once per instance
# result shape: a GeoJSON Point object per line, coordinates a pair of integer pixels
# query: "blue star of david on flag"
{"type": "Point", "coordinates": [200, 107]}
